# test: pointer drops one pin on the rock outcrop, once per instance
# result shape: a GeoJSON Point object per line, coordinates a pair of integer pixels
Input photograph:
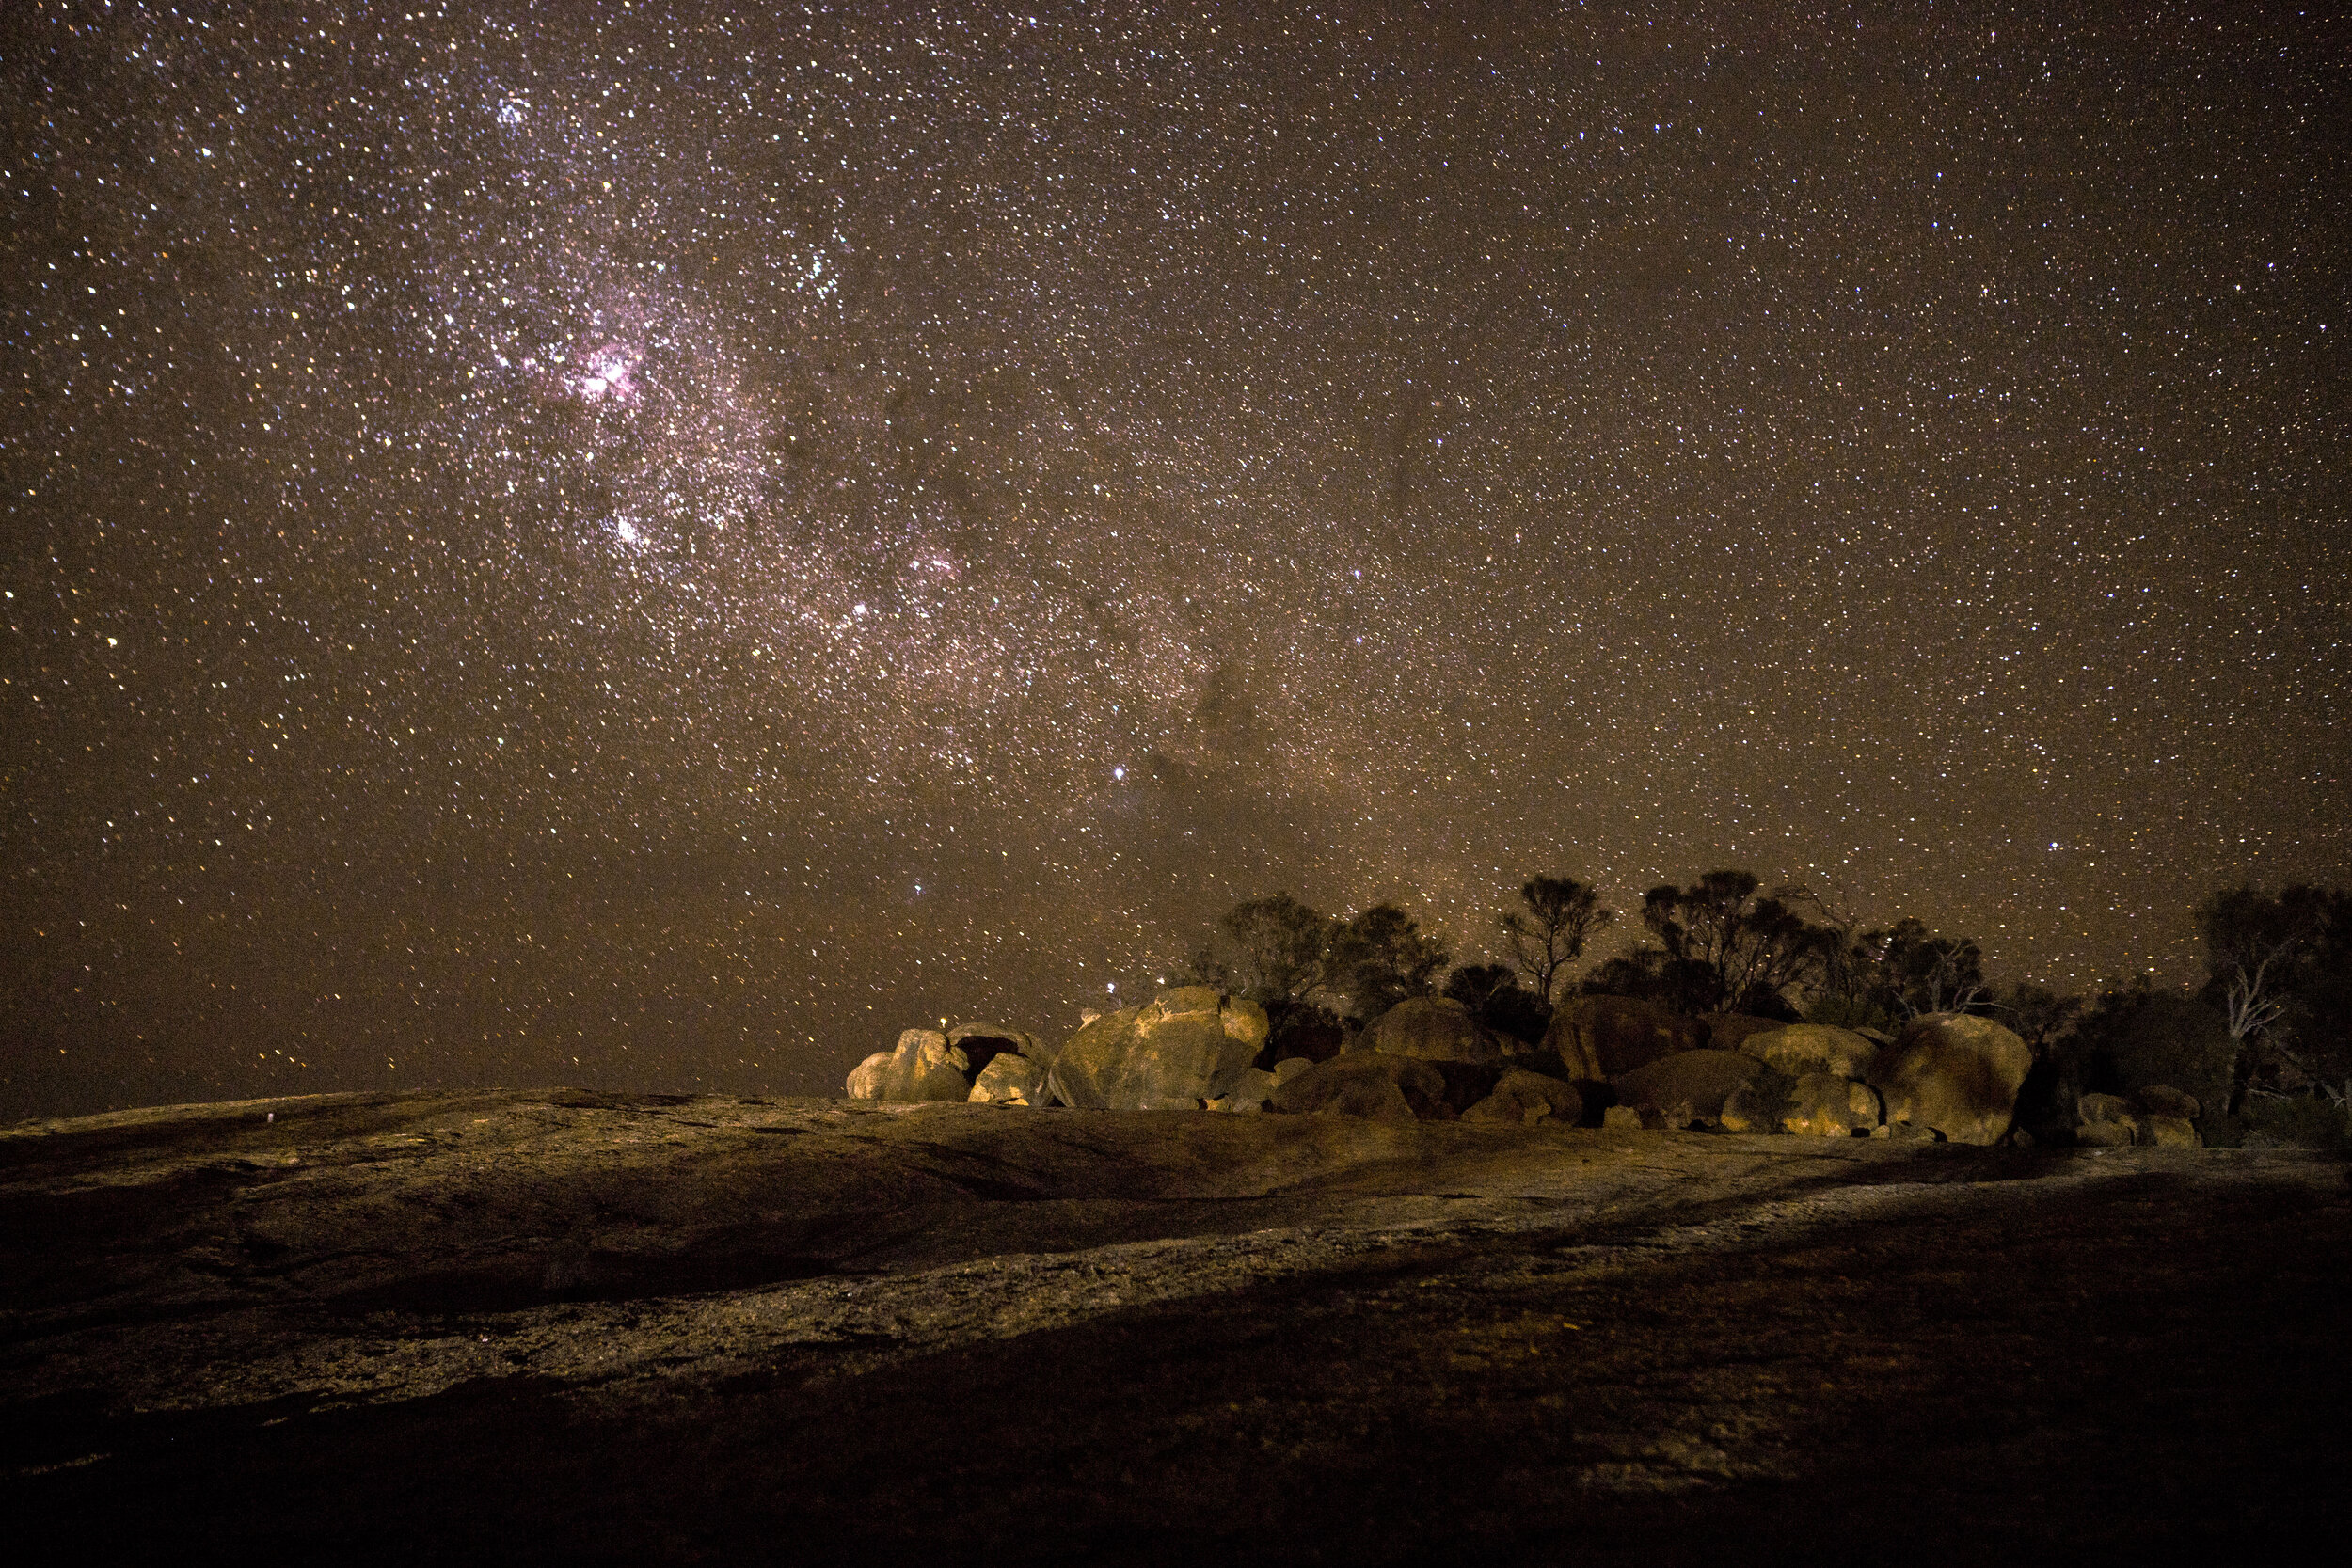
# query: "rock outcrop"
{"type": "Point", "coordinates": [1597, 1037]}
{"type": "Point", "coordinates": [924, 1066]}
{"type": "Point", "coordinates": [1367, 1083]}
{"type": "Point", "coordinates": [982, 1043]}
{"type": "Point", "coordinates": [1435, 1029]}
{"type": "Point", "coordinates": [1180, 1050]}
{"type": "Point", "coordinates": [1688, 1087]}
{"type": "Point", "coordinates": [1798, 1049]}
{"type": "Point", "coordinates": [1011, 1079]}
{"type": "Point", "coordinates": [1526, 1098]}
{"type": "Point", "coordinates": [1954, 1074]}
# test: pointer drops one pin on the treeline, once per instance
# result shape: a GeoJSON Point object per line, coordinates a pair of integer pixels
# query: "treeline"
{"type": "Point", "coordinates": [2265, 1041]}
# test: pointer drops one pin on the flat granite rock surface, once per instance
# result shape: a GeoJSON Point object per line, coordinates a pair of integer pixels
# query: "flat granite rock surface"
{"type": "Point", "coordinates": [544, 1326]}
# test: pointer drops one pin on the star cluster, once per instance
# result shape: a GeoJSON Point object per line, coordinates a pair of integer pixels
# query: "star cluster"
{"type": "Point", "coordinates": [659, 544]}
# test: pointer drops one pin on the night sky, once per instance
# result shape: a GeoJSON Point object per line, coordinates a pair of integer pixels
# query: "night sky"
{"type": "Point", "coordinates": [656, 546]}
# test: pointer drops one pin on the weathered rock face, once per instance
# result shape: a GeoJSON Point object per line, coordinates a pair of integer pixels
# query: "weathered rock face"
{"type": "Point", "coordinates": [1600, 1036]}
{"type": "Point", "coordinates": [1955, 1075]}
{"type": "Point", "coordinates": [1526, 1098]}
{"type": "Point", "coordinates": [1181, 1048]}
{"type": "Point", "coordinates": [1367, 1083]}
{"type": "Point", "coordinates": [1688, 1087]}
{"type": "Point", "coordinates": [1435, 1029]}
{"type": "Point", "coordinates": [1824, 1105]}
{"type": "Point", "coordinates": [1290, 1067]}
{"type": "Point", "coordinates": [924, 1066]}
{"type": "Point", "coordinates": [1732, 1031]}
{"type": "Point", "coordinates": [1799, 1049]}
{"type": "Point", "coordinates": [2172, 1132]}
{"type": "Point", "coordinates": [1010, 1080]}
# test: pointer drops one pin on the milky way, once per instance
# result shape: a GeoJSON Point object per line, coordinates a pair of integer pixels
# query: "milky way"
{"type": "Point", "coordinates": [659, 545]}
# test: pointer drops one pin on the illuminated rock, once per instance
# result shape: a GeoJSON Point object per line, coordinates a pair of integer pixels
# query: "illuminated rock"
{"type": "Point", "coordinates": [1955, 1075]}
{"type": "Point", "coordinates": [1011, 1079]}
{"type": "Point", "coordinates": [1178, 1050]}
{"type": "Point", "coordinates": [924, 1066]}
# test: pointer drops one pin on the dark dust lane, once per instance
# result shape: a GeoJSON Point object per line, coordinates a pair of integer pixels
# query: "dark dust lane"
{"type": "Point", "coordinates": [1649, 1347]}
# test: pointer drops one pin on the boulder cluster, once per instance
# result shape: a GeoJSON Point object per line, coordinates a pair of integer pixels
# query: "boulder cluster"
{"type": "Point", "coordinates": [1605, 1061]}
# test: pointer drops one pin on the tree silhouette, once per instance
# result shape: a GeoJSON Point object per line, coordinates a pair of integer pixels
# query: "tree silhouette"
{"type": "Point", "coordinates": [1274, 950]}
{"type": "Point", "coordinates": [1560, 915]}
{"type": "Point", "coordinates": [1382, 957]}
{"type": "Point", "coordinates": [1727, 948]}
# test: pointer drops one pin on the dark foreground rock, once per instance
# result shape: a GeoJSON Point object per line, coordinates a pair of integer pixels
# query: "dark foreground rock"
{"type": "Point", "coordinates": [567, 1327]}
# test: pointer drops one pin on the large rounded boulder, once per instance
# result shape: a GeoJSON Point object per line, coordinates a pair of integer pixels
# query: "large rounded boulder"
{"type": "Point", "coordinates": [1434, 1029]}
{"type": "Point", "coordinates": [1799, 1049]}
{"type": "Point", "coordinates": [1687, 1087]}
{"type": "Point", "coordinates": [924, 1066]}
{"type": "Point", "coordinates": [1179, 1050]}
{"type": "Point", "coordinates": [1367, 1083]}
{"type": "Point", "coordinates": [1523, 1099]}
{"type": "Point", "coordinates": [1955, 1075]}
{"type": "Point", "coordinates": [1730, 1031]}
{"type": "Point", "coordinates": [1598, 1037]}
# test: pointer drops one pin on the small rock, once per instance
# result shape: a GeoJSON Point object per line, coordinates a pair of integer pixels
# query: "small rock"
{"type": "Point", "coordinates": [1289, 1068]}
{"type": "Point", "coordinates": [2173, 1132]}
{"type": "Point", "coordinates": [1622, 1118]}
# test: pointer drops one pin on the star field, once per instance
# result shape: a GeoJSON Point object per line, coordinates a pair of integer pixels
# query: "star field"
{"type": "Point", "coordinates": [659, 545]}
